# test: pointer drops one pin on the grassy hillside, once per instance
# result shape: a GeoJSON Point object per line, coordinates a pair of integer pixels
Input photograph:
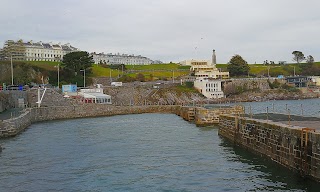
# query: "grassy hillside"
{"type": "Point", "coordinates": [274, 70]}
{"type": "Point", "coordinates": [154, 71]}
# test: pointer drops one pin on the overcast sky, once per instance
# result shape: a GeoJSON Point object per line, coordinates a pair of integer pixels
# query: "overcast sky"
{"type": "Point", "coordinates": [170, 30]}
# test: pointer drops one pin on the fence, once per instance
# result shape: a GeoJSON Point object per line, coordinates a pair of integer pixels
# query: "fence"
{"type": "Point", "coordinates": [293, 114]}
{"type": "Point", "coordinates": [13, 88]}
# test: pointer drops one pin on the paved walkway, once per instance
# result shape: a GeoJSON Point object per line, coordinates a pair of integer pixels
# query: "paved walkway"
{"type": "Point", "coordinates": [307, 124]}
{"type": "Point", "coordinates": [295, 120]}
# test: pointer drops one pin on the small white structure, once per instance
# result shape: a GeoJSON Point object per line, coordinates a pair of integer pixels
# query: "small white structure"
{"type": "Point", "coordinates": [315, 80]}
{"type": "Point", "coordinates": [94, 96]}
{"type": "Point", "coordinates": [210, 88]}
{"type": "Point", "coordinates": [116, 84]}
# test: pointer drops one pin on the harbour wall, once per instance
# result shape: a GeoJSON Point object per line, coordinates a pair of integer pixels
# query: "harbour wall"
{"type": "Point", "coordinates": [9, 99]}
{"type": "Point", "coordinates": [13, 126]}
{"type": "Point", "coordinates": [201, 116]}
{"type": "Point", "coordinates": [296, 148]}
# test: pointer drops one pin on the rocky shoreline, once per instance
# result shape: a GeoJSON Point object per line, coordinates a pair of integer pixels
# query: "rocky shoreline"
{"type": "Point", "coordinates": [267, 96]}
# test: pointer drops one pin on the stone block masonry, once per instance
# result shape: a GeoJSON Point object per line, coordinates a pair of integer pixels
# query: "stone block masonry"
{"type": "Point", "coordinates": [296, 148]}
{"type": "Point", "coordinates": [206, 117]}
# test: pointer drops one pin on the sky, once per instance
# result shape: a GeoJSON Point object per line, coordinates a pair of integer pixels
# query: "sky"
{"type": "Point", "coordinates": [170, 30]}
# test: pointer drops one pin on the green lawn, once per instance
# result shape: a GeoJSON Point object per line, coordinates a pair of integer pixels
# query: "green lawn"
{"type": "Point", "coordinates": [157, 67]}
{"type": "Point", "coordinates": [156, 72]}
{"type": "Point", "coordinates": [165, 70]}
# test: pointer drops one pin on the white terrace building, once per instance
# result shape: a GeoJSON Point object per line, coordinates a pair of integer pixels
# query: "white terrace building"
{"type": "Point", "coordinates": [47, 51]}
{"type": "Point", "coordinates": [117, 59]}
{"type": "Point", "coordinates": [39, 51]}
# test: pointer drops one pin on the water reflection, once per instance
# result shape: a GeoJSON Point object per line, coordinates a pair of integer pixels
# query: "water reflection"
{"type": "Point", "coordinates": [273, 176]}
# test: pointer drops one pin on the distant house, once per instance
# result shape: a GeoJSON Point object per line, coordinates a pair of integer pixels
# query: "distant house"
{"type": "Point", "coordinates": [298, 81]}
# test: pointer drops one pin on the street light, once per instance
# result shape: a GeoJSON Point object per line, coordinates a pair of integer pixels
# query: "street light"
{"type": "Point", "coordinates": [58, 66]}
{"type": "Point", "coordinates": [172, 76]}
{"type": "Point", "coordinates": [84, 77]}
{"type": "Point", "coordinates": [58, 75]}
{"type": "Point", "coordinates": [110, 76]}
{"type": "Point", "coordinates": [11, 71]}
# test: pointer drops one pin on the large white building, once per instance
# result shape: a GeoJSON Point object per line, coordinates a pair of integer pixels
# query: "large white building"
{"type": "Point", "coordinates": [40, 51]}
{"type": "Point", "coordinates": [207, 76]}
{"type": "Point", "coordinates": [210, 88]}
{"type": "Point", "coordinates": [117, 59]}
{"type": "Point", "coordinates": [205, 68]}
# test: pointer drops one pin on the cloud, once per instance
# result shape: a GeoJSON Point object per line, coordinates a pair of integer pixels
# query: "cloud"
{"type": "Point", "coordinates": [170, 30]}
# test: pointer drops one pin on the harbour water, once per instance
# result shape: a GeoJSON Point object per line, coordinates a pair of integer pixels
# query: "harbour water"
{"type": "Point", "coordinates": [306, 107]}
{"type": "Point", "coordinates": [145, 152]}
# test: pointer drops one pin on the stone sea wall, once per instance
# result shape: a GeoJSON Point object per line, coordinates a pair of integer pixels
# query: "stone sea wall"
{"type": "Point", "coordinates": [206, 117]}
{"type": "Point", "coordinates": [201, 116]}
{"type": "Point", "coordinates": [295, 148]}
{"type": "Point", "coordinates": [9, 99]}
{"type": "Point", "coordinates": [13, 126]}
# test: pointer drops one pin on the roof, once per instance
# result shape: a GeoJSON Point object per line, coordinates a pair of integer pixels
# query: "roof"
{"type": "Point", "coordinates": [46, 45]}
{"type": "Point", "coordinates": [96, 95]}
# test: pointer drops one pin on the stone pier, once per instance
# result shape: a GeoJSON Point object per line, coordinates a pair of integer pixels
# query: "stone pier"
{"type": "Point", "coordinates": [297, 148]}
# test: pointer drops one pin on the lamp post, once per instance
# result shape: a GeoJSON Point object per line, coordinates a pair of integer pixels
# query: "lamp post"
{"type": "Point", "coordinates": [84, 77]}
{"type": "Point", "coordinates": [110, 76]}
{"type": "Point", "coordinates": [11, 70]}
{"type": "Point", "coordinates": [172, 76]}
{"type": "Point", "coordinates": [58, 66]}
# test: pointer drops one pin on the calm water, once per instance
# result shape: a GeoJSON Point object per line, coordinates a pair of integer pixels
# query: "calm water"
{"type": "Point", "coordinates": [147, 152]}
{"type": "Point", "coordinates": [306, 107]}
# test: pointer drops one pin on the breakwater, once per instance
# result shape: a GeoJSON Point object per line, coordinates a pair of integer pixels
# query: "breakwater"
{"type": "Point", "coordinates": [199, 115]}
{"type": "Point", "coordinates": [207, 117]}
{"type": "Point", "coordinates": [296, 148]}
{"type": "Point", "coordinates": [13, 126]}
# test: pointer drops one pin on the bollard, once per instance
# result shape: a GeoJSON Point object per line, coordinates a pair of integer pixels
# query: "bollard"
{"type": "Point", "coordinates": [273, 107]}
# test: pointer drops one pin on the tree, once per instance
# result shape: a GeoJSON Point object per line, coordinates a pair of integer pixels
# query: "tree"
{"type": "Point", "coordinates": [238, 66]}
{"type": "Point", "coordinates": [140, 77]}
{"type": "Point", "coordinates": [298, 56]}
{"type": "Point", "coordinates": [310, 59]}
{"type": "Point", "coordinates": [76, 61]}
